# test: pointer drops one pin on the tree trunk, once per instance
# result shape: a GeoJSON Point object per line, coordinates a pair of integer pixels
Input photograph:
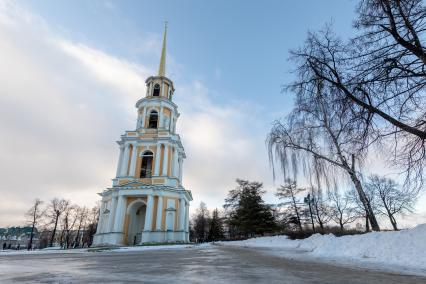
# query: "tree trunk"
{"type": "Point", "coordinates": [393, 222]}
{"type": "Point", "coordinates": [390, 215]}
{"type": "Point", "coordinates": [320, 222]}
{"type": "Point", "coordinates": [31, 238]}
{"type": "Point", "coordinates": [312, 218]}
{"type": "Point", "coordinates": [297, 213]}
{"type": "Point", "coordinates": [52, 238]}
{"type": "Point", "coordinates": [367, 224]}
{"type": "Point", "coordinates": [365, 202]}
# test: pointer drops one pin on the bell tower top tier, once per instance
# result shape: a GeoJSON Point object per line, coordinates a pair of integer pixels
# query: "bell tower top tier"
{"type": "Point", "coordinates": [160, 85]}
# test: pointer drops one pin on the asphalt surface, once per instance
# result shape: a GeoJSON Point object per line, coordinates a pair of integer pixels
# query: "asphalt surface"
{"type": "Point", "coordinates": [214, 264]}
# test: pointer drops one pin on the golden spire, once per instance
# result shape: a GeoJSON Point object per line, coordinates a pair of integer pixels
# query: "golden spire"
{"type": "Point", "coordinates": [162, 68]}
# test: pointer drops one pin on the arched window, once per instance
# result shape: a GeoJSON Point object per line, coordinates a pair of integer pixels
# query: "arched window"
{"type": "Point", "coordinates": [153, 119]}
{"type": "Point", "coordinates": [156, 92]}
{"type": "Point", "coordinates": [146, 167]}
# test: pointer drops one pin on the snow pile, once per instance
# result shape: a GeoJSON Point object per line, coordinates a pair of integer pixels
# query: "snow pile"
{"type": "Point", "coordinates": [406, 248]}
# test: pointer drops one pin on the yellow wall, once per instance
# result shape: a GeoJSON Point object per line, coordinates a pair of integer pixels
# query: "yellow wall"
{"type": "Point", "coordinates": [167, 111]}
{"type": "Point", "coordinates": [169, 161]}
{"type": "Point", "coordinates": [176, 213]}
{"type": "Point", "coordinates": [126, 228]}
{"type": "Point", "coordinates": [166, 90]}
{"type": "Point", "coordinates": [163, 216]}
{"type": "Point", "coordinates": [138, 161]}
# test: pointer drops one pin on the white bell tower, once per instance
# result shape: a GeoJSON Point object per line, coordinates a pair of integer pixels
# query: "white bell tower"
{"type": "Point", "coordinates": [147, 202]}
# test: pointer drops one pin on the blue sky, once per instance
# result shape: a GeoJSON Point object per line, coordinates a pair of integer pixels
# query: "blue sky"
{"type": "Point", "coordinates": [238, 48]}
{"type": "Point", "coordinates": [72, 71]}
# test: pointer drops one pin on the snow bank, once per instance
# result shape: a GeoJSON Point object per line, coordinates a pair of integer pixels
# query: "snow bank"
{"type": "Point", "coordinates": [406, 248]}
{"type": "Point", "coordinates": [42, 251]}
{"type": "Point", "coordinates": [57, 250]}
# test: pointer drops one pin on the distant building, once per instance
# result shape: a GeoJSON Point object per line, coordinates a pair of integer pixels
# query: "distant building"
{"type": "Point", "coordinates": [15, 237]}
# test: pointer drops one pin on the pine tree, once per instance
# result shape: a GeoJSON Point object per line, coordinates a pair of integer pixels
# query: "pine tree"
{"type": "Point", "coordinates": [249, 215]}
{"type": "Point", "coordinates": [215, 227]}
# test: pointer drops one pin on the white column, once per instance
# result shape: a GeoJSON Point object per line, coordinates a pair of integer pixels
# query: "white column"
{"type": "Point", "coordinates": [187, 218]}
{"type": "Point", "coordinates": [100, 228]}
{"type": "Point", "coordinates": [162, 89]}
{"type": "Point", "coordinates": [120, 160]}
{"type": "Point", "coordinates": [157, 160]}
{"type": "Point", "coordinates": [172, 117]}
{"type": "Point", "coordinates": [159, 213]}
{"type": "Point", "coordinates": [112, 214]}
{"type": "Point", "coordinates": [175, 165]}
{"type": "Point", "coordinates": [119, 216]}
{"type": "Point", "coordinates": [125, 161]}
{"type": "Point", "coordinates": [144, 117]}
{"type": "Point", "coordinates": [161, 122]}
{"type": "Point", "coordinates": [180, 170]}
{"type": "Point", "coordinates": [133, 161]}
{"type": "Point", "coordinates": [165, 159]}
{"type": "Point", "coordinates": [182, 210]}
{"type": "Point", "coordinates": [148, 214]}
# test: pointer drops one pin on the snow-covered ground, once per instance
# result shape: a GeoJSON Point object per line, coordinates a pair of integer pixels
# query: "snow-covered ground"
{"type": "Point", "coordinates": [403, 250]}
{"type": "Point", "coordinates": [57, 250]}
{"type": "Point", "coordinates": [145, 248]}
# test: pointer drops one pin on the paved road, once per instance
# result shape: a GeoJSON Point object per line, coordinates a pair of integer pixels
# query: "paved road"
{"type": "Point", "coordinates": [191, 265]}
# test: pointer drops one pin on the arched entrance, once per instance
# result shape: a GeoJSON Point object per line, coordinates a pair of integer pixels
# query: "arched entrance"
{"type": "Point", "coordinates": [137, 212]}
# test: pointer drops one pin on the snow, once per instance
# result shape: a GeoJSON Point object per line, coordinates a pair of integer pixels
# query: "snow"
{"type": "Point", "coordinates": [399, 250]}
{"type": "Point", "coordinates": [145, 248]}
{"type": "Point", "coordinates": [42, 251]}
{"type": "Point", "coordinates": [58, 250]}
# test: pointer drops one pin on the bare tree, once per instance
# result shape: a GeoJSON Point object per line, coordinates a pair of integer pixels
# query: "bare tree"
{"type": "Point", "coordinates": [287, 193]}
{"type": "Point", "coordinates": [343, 212]}
{"type": "Point", "coordinates": [92, 224]}
{"type": "Point", "coordinates": [309, 200]}
{"type": "Point", "coordinates": [379, 75]}
{"type": "Point", "coordinates": [320, 207]}
{"type": "Point", "coordinates": [55, 209]}
{"type": "Point", "coordinates": [34, 214]}
{"type": "Point", "coordinates": [201, 222]}
{"type": "Point", "coordinates": [393, 200]}
{"type": "Point", "coordinates": [323, 136]}
{"type": "Point", "coordinates": [81, 215]}
{"type": "Point", "coordinates": [359, 206]}
{"type": "Point", "coordinates": [69, 219]}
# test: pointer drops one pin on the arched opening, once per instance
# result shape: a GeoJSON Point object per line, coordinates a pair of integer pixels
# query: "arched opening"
{"type": "Point", "coordinates": [146, 167]}
{"type": "Point", "coordinates": [156, 92]}
{"type": "Point", "coordinates": [137, 212]}
{"type": "Point", "coordinates": [153, 119]}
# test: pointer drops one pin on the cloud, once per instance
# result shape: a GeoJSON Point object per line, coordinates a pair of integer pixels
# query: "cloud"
{"type": "Point", "coordinates": [62, 106]}
{"type": "Point", "coordinates": [224, 141]}
{"type": "Point", "coordinates": [64, 103]}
